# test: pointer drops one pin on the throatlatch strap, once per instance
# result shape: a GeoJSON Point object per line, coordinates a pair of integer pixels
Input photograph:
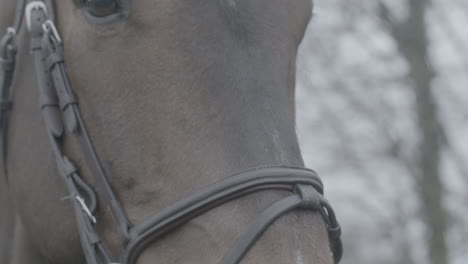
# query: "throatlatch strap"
{"type": "Point", "coordinates": [7, 68]}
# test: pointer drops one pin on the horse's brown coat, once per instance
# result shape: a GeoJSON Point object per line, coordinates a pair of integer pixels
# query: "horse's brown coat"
{"type": "Point", "coordinates": [176, 96]}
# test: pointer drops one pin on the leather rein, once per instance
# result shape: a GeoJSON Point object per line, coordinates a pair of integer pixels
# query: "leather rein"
{"type": "Point", "coordinates": [62, 116]}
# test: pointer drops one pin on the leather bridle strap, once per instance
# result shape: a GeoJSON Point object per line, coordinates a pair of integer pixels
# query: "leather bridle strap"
{"type": "Point", "coordinates": [261, 223]}
{"type": "Point", "coordinates": [70, 114]}
{"type": "Point", "coordinates": [75, 125]}
{"type": "Point", "coordinates": [293, 180]}
{"type": "Point", "coordinates": [307, 198]}
{"type": "Point", "coordinates": [7, 68]}
{"type": "Point", "coordinates": [51, 93]}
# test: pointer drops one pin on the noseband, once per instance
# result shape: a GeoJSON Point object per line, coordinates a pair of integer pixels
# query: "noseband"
{"type": "Point", "coordinates": [62, 117]}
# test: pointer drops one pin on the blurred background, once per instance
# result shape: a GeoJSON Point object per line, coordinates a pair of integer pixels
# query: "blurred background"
{"type": "Point", "coordinates": [383, 117]}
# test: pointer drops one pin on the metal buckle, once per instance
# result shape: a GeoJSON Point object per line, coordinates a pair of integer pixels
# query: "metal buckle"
{"type": "Point", "coordinates": [5, 46]}
{"type": "Point", "coordinates": [7, 40]}
{"type": "Point", "coordinates": [34, 5]}
{"type": "Point", "coordinates": [86, 209]}
{"type": "Point", "coordinates": [11, 31]}
{"type": "Point", "coordinates": [50, 26]}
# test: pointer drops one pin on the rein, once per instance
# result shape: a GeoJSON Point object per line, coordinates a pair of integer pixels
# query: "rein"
{"type": "Point", "coordinates": [62, 116]}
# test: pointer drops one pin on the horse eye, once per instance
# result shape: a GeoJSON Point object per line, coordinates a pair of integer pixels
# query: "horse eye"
{"type": "Point", "coordinates": [102, 8]}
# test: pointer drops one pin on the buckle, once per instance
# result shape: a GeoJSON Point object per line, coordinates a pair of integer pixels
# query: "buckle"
{"type": "Point", "coordinates": [34, 5]}
{"type": "Point", "coordinates": [85, 208]}
{"type": "Point", "coordinates": [11, 31]}
{"type": "Point", "coordinates": [49, 26]}
{"type": "Point", "coordinates": [7, 40]}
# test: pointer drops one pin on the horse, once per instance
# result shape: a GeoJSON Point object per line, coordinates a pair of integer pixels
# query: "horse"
{"type": "Point", "coordinates": [175, 96]}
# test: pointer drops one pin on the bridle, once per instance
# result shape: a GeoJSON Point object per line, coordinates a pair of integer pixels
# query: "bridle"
{"type": "Point", "coordinates": [62, 117]}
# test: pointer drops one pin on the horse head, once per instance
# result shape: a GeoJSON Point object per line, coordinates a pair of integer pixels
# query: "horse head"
{"type": "Point", "coordinates": [176, 95]}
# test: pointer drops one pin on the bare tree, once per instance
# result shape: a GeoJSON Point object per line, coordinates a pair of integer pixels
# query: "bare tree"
{"type": "Point", "coordinates": [412, 40]}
